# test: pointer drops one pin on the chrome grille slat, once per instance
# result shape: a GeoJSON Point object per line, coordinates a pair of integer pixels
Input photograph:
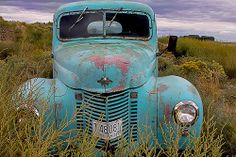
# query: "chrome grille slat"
{"type": "Point", "coordinates": [115, 103]}
{"type": "Point", "coordinates": [117, 110]}
{"type": "Point", "coordinates": [125, 128]}
{"type": "Point", "coordinates": [90, 112]}
{"type": "Point", "coordinates": [95, 105]}
{"type": "Point", "coordinates": [108, 107]}
{"type": "Point", "coordinates": [94, 101]}
{"type": "Point", "coordinates": [93, 116]}
{"type": "Point", "coordinates": [118, 105]}
{"type": "Point", "coordinates": [133, 119]}
{"type": "Point", "coordinates": [94, 95]}
{"type": "Point", "coordinates": [124, 125]}
{"type": "Point", "coordinates": [123, 116]}
{"type": "Point", "coordinates": [116, 114]}
{"type": "Point", "coordinates": [118, 94]}
{"type": "Point", "coordinates": [95, 109]}
{"type": "Point", "coordinates": [112, 100]}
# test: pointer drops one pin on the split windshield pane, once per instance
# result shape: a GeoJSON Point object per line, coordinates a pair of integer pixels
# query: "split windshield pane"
{"type": "Point", "coordinates": [117, 24]}
{"type": "Point", "coordinates": [76, 26]}
{"type": "Point", "coordinates": [133, 25]}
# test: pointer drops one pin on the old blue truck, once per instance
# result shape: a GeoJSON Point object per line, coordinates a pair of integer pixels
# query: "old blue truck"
{"type": "Point", "coordinates": [105, 76]}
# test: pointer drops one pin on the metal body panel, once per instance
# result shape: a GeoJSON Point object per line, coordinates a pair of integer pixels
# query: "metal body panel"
{"type": "Point", "coordinates": [155, 103]}
{"type": "Point", "coordinates": [114, 77]}
{"type": "Point", "coordinates": [126, 64]}
{"type": "Point", "coordinates": [170, 91]}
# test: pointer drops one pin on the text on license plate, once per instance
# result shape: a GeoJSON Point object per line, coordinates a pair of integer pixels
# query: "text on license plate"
{"type": "Point", "coordinates": [107, 130]}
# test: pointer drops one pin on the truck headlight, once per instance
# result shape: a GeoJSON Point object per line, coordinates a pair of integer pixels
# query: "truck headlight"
{"type": "Point", "coordinates": [186, 113]}
{"type": "Point", "coordinates": [25, 111]}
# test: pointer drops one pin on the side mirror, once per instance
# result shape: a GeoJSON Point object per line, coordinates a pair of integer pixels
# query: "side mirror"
{"type": "Point", "coordinates": [172, 44]}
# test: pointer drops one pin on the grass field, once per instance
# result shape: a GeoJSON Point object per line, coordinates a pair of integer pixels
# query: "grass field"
{"type": "Point", "coordinates": [27, 55]}
{"type": "Point", "coordinates": [211, 67]}
{"type": "Point", "coordinates": [223, 53]}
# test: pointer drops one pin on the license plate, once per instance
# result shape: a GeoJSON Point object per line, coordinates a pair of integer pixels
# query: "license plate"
{"type": "Point", "coordinates": [107, 130]}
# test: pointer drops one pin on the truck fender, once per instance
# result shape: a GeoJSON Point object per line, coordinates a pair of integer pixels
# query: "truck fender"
{"type": "Point", "coordinates": [41, 93]}
{"type": "Point", "coordinates": [171, 90]}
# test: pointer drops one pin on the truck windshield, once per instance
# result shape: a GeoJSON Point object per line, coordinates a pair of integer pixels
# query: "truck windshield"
{"type": "Point", "coordinates": [115, 24]}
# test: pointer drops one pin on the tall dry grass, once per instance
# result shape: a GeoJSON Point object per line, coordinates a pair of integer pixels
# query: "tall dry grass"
{"type": "Point", "coordinates": [31, 137]}
{"type": "Point", "coordinates": [30, 57]}
{"type": "Point", "coordinates": [212, 83]}
{"type": "Point", "coordinates": [222, 53]}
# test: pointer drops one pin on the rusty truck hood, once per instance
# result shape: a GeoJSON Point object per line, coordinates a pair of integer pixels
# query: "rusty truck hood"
{"type": "Point", "coordinates": [104, 67]}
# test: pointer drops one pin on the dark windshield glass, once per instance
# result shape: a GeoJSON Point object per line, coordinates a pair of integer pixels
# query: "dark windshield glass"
{"type": "Point", "coordinates": [117, 24]}
{"type": "Point", "coordinates": [76, 26]}
{"type": "Point", "coordinates": [133, 25]}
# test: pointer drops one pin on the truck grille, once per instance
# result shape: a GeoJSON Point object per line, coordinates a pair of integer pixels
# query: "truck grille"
{"type": "Point", "coordinates": [108, 107]}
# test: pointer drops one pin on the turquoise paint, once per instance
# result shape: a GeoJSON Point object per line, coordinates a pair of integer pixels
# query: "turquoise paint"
{"type": "Point", "coordinates": [130, 64]}
{"type": "Point", "coordinates": [112, 5]}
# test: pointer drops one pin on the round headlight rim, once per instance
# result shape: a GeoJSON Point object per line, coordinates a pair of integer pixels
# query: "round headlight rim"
{"type": "Point", "coordinates": [186, 102]}
{"type": "Point", "coordinates": [31, 108]}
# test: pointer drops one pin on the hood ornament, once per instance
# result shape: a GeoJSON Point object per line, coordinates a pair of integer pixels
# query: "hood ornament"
{"type": "Point", "coordinates": [104, 81]}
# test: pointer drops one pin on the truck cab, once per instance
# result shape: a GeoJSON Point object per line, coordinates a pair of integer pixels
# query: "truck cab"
{"type": "Point", "coordinates": [105, 75]}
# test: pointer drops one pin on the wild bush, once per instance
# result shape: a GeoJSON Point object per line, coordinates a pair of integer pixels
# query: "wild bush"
{"type": "Point", "coordinates": [30, 57]}
{"type": "Point", "coordinates": [222, 53]}
{"type": "Point", "coordinates": [209, 78]}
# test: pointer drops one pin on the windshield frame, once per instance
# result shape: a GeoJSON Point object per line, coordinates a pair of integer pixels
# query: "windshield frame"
{"type": "Point", "coordinates": [103, 36]}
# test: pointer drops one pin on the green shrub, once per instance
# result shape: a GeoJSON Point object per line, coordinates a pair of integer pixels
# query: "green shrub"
{"type": "Point", "coordinates": [222, 53]}
{"type": "Point", "coordinates": [164, 39]}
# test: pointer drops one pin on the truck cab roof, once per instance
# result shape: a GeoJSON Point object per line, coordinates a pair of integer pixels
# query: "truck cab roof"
{"type": "Point", "coordinates": [105, 5]}
{"type": "Point", "coordinates": [110, 7]}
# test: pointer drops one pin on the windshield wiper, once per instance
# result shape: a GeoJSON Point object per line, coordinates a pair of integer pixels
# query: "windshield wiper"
{"type": "Point", "coordinates": [114, 17]}
{"type": "Point", "coordinates": [78, 19]}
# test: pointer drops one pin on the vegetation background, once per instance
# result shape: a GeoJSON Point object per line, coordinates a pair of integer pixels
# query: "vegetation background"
{"type": "Point", "coordinates": [25, 52]}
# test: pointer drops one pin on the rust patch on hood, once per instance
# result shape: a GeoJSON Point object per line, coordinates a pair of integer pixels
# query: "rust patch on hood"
{"type": "Point", "coordinates": [120, 62]}
{"type": "Point", "coordinates": [58, 106]}
{"type": "Point", "coordinates": [119, 88]}
{"type": "Point", "coordinates": [161, 88]}
{"type": "Point", "coordinates": [168, 112]}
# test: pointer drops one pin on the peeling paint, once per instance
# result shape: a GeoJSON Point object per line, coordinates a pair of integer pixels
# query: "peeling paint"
{"type": "Point", "coordinates": [161, 88]}
{"type": "Point", "coordinates": [128, 65]}
{"type": "Point", "coordinates": [168, 112]}
{"type": "Point", "coordinates": [131, 52]}
{"type": "Point", "coordinates": [58, 106]}
{"type": "Point", "coordinates": [120, 62]}
{"type": "Point", "coordinates": [118, 88]}
{"type": "Point", "coordinates": [122, 81]}
{"type": "Point", "coordinates": [137, 76]}
{"type": "Point", "coordinates": [74, 77]}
